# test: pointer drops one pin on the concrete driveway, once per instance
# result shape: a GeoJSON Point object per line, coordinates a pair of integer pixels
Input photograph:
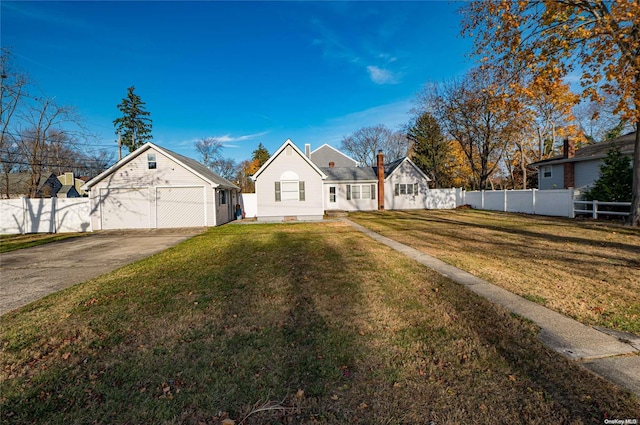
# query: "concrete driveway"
{"type": "Point", "coordinates": [29, 274]}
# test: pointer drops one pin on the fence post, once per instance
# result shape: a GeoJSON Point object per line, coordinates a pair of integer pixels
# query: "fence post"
{"type": "Point", "coordinates": [482, 199]}
{"type": "Point", "coordinates": [24, 215]}
{"type": "Point", "coordinates": [533, 200]}
{"type": "Point", "coordinates": [595, 209]}
{"type": "Point", "coordinates": [572, 210]}
{"type": "Point", "coordinates": [505, 201]}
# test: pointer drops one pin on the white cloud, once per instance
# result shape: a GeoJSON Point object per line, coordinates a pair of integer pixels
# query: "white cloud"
{"type": "Point", "coordinates": [382, 76]}
{"type": "Point", "coordinates": [229, 138]}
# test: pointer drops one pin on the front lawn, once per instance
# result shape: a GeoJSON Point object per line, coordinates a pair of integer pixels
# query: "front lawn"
{"type": "Point", "coordinates": [585, 269]}
{"type": "Point", "coordinates": [276, 324]}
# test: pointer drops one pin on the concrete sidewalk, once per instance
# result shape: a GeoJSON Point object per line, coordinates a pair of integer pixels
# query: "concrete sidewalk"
{"type": "Point", "coordinates": [613, 355]}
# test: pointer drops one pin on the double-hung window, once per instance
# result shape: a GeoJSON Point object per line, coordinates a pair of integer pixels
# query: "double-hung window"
{"type": "Point", "coordinates": [151, 161]}
{"type": "Point", "coordinates": [361, 191]}
{"type": "Point", "coordinates": [289, 191]}
{"type": "Point", "coordinates": [406, 189]}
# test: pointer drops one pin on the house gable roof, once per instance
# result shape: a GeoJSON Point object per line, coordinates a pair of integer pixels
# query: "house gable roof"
{"type": "Point", "coordinates": [288, 142]}
{"type": "Point", "coordinates": [595, 151]}
{"type": "Point", "coordinates": [391, 167]}
{"type": "Point", "coordinates": [327, 153]}
{"type": "Point", "coordinates": [190, 164]}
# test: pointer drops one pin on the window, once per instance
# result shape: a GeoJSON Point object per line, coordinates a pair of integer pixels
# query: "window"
{"type": "Point", "coordinates": [546, 171]}
{"type": "Point", "coordinates": [289, 191]}
{"type": "Point", "coordinates": [223, 197]}
{"type": "Point", "coordinates": [406, 189]}
{"type": "Point", "coordinates": [151, 161]}
{"type": "Point", "coordinates": [332, 194]}
{"type": "Point", "coordinates": [361, 191]}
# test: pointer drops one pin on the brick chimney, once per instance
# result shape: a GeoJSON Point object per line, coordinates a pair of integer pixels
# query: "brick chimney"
{"type": "Point", "coordinates": [332, 164]}
{"type": "Point", "coordinates": [568, 167]}
{"type": "Point", "coordinates": [569, 148]}
{"type": "Point", "coordinates": [380, 180]}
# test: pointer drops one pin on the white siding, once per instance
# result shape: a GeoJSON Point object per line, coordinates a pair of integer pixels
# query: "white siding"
{"type": "Point", "coordinates": [269, 209]}
{"type": "Point", "coordinates": [342, 203]}
{"type": "Point", "coordinates": [405, 173]}
{"type": "Point", "coordinates": [136, 174]}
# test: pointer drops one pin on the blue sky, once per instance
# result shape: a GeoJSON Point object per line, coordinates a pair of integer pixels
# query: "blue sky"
{"type": "Point", "coordinates": [243, 72]}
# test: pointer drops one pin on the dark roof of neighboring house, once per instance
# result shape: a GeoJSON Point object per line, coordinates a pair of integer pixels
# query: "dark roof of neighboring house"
{"type": "Point", "coordinates": [596, 151]}
{"type": "Point", "coordinates": [65, 189]}
{"type": "Point", "coordinates": [349, 173]}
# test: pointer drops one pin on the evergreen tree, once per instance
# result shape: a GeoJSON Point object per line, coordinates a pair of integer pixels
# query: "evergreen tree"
{"type": "Point", "coordinates": [135, 125]}
{"type": "Point", "coordinates": [261, 154]}
{"type": "Point", "coordinates": [431, 152]}
{"type": "Point", "coordinates": [616, 178]}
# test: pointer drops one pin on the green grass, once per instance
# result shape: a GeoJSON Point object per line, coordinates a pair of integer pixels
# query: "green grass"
{"type": "Point", "coordinates": [10, 243]}
{"type": "Point", "coordinates": [585, 269]}
{"type": "Point", "coordinates": [302, 323]}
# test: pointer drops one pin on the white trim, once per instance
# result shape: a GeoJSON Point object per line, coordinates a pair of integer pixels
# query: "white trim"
{"type": "Point", "coordinates": [288, 142]}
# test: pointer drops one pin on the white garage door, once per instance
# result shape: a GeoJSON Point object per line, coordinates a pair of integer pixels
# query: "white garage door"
{"type": "Point", "coordinates": [180, 206]}
{"type": "Point", "coordinates": [125, 208]}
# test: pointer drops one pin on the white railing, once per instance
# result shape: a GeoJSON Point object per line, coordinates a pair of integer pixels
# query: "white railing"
{"type": "Point", "coordinates": [595, 211]}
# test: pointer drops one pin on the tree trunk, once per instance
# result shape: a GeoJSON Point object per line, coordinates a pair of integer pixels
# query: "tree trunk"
{"type": "Point", "coordinates": [634, 218]}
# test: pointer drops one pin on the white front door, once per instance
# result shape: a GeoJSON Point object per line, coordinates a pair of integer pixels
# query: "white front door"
{"type": "Point", "coordinates": [333, 198]}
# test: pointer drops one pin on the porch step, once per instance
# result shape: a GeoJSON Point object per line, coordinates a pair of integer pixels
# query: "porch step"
{"type": "Point", "coordinates": [336, 213]}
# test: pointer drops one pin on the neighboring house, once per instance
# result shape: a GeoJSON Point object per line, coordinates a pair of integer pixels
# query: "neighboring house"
{"type": "Point", "coordinates": [328, 180]}
{"type": "Point", "coordinates": [579, 168]}
{"type": "Point", "coordinates": [16, 185]}
{"type": "Point", "coordinates": [153, 187]}
{"type": "Point", "coordinates": [69, 179]}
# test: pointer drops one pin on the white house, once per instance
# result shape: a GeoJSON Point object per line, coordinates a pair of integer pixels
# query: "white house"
{"type": "Point", "coordinates": [289, 187]}
{"type": "Point", "coordinates": [153, 187]}
{"type": "Point", "coordinates": [327, 179]}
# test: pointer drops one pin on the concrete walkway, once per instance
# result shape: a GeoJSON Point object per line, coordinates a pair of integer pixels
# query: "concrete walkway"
{"type": "Point", "coordinates": [613, 355]}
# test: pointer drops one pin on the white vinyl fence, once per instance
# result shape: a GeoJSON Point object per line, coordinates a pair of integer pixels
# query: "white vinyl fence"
{"type": "Point", "coordinates": [44, 215]}
{"type": "Point", "coordinates": [533, 201]}
{"type": "Point", "coordinates": [249, 204]}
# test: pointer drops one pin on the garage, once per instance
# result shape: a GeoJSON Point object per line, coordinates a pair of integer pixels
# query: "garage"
{"type": "Point", "coordinates": [181, 207]}
{"type": "Point", "coordinates": [153, 187]}
{"type": "Point", "coordinates": [124, 208]}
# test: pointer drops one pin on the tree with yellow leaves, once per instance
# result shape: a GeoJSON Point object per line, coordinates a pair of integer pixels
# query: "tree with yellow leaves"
{"type": "Point", "coordinates": [550, 39]}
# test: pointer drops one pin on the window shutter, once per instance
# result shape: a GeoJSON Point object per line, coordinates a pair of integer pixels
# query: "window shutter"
{"type": "Point", "coordinates": [373, 191]}
{"type": "Point", "coordinates": [301, 190]}
{"type": "Point", "coordinates": [278, 198]}
{"type": "Point", "coordinates": [348, 192]}
{"type": "Point", "coordinates": [397, 189]}
{"type": "Point", "coordinates": [415, 188]}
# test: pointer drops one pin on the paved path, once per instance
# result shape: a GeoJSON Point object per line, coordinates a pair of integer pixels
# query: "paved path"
{"type": "Point", "coordinates": [29, 274]}
{"type": "Point", "coordinates": [613, 355]}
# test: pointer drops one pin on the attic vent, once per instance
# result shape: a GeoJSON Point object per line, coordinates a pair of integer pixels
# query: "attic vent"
{"type": "Point", "coordinates": [289, 151]}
